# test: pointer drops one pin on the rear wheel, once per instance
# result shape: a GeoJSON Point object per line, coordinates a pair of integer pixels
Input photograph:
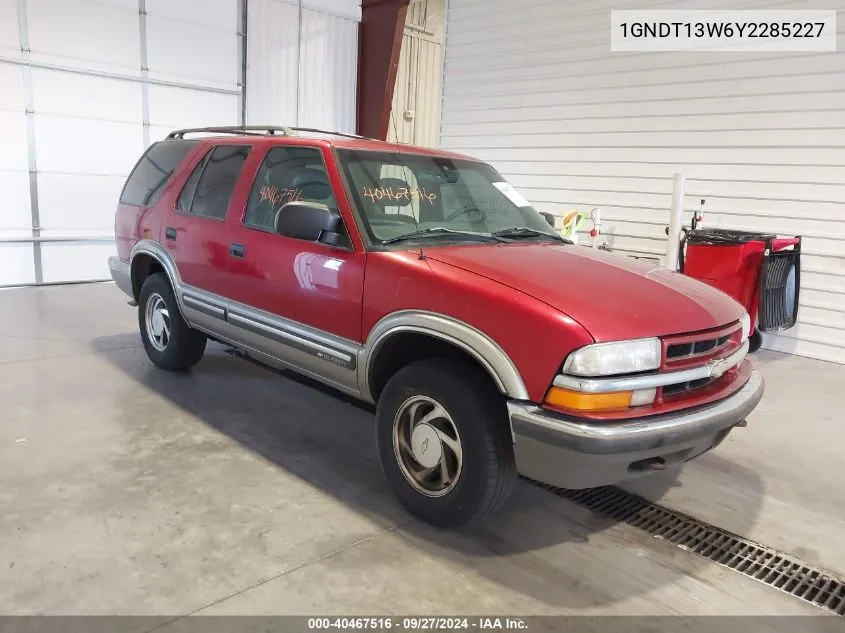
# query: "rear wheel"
{"type": "Point", "coordinates": [443, 442]}
{"type": "Point", "coordinates": [169, 342]}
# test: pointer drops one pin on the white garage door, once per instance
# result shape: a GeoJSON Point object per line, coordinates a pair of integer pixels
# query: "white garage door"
{"type": "Point", "coordinates": [85, 86]}
{"type": "Point", "coordinates": [533, 87]}
{"type": "Point", "coordinates": [303, 63]}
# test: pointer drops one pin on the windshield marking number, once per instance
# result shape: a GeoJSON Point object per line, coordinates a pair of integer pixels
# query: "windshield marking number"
{"type": "Point", "coordinates": [402, 193]}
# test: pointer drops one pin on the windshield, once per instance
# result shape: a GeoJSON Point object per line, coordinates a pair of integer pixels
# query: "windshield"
{"type": "Point", "coordinates": [410, 197]}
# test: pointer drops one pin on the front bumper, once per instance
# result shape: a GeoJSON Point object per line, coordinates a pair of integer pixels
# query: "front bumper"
{"type": "Point", "coordinates": [120, 273]}
{"type": "Point", "coordinates": [571, 453]}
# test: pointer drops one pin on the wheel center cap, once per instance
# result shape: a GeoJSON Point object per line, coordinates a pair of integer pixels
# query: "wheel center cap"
{"type": "Point", "coordinates": [158, 322]}
{"type": "Point", "coordinates": [426, 445]}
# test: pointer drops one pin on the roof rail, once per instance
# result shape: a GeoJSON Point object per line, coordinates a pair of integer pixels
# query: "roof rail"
{"type": "Point", "coordinates": [319, 131]}
{"type": "Point", "coordinates": [249, 130]}
{"type": "Point", "coordinates": [256, 130]}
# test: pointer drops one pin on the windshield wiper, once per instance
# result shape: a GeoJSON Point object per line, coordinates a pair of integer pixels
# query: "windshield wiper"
{"type": "Point", "coordinates": [439, 230]}
{"type": "Point", "coordinates": [524, 231]}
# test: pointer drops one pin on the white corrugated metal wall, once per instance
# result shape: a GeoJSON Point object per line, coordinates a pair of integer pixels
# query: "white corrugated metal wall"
{"type": "Point", "coordinates": [416, 96]}
{"type": "Point", "coordinates": [533, 88]}
{"type": "Point", "coordinates": [303, 62]}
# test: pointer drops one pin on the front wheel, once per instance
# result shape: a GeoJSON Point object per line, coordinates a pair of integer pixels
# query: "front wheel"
{"type": "Point", "coordinates": [443, 441]}
{"type": "Point", "coordinates": [170, 343]}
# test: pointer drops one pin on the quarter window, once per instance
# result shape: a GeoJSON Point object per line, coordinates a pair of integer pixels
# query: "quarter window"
{"type": "Point", "coordinates": [288, 174]}
{"type": "Point", "coordinates": [190, 188]}
{"type": "Point", "coordinates": [209, 188]}
{"type": "Point", "coordinates": [150, 175]}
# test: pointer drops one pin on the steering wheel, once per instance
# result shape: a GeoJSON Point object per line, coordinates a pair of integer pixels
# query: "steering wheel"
{"type": "Point", "coordinates": [464, 211]}
{"type": "Point", "coordinates": [394, 219]}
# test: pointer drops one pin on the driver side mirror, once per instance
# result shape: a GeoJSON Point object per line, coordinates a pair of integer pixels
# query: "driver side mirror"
{"type": "Point", "coordinates": [549, 218]}
{"type": "Point", "coordinates": [310, 221]}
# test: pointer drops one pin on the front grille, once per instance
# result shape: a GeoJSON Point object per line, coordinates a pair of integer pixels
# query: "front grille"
{"type": "Point", "coordinates": [681, 387]}
{"type": "Point", "coordinates": [694, 348]}
{"type": "Point", "coordinates": [683, 352]}
{"type": "Point", "coordinates": [779, 290]}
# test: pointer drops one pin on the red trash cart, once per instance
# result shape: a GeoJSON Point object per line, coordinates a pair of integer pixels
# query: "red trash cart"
{"type": "Point", "coordinates": [759, 270]}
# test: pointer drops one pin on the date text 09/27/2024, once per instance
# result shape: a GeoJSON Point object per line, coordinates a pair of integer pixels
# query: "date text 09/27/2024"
{"type": "Point", "coordinates": [416, 623]}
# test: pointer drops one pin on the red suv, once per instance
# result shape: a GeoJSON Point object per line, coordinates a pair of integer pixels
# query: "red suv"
{"type": "Point", "coordinates": [421, 281]}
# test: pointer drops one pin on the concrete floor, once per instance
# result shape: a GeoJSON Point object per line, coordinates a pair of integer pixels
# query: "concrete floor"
{"type": "Point", "coordinates": [233, 490]}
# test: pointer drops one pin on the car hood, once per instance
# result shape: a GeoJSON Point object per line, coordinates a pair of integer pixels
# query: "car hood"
{"type": "Point", "coordinates": [613, 297]}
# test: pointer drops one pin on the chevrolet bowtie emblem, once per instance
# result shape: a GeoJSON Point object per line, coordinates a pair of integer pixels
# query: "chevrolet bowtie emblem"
{"type": "Point", "coordinates": [718, 367]}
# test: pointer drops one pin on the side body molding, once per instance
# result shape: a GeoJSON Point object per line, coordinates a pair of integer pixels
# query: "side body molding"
{"type": "Point", "coordinates": [338, 362]}
{"type": "Point", "coordinates": [480, 346]}
{"type": "Point", "coordinates": [271, 338]}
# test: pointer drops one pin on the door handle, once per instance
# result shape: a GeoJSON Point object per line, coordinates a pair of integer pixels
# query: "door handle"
{"type": "Point", "coordinates": [170, 233]}
{"type": "Point", "coordinates": [237, 250]}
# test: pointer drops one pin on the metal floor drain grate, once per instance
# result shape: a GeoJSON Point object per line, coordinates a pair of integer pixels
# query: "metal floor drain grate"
{"type": "Point", "coordinates": [820, 588]}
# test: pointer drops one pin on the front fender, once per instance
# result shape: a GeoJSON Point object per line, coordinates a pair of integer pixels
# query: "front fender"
{"type": "Point", "coordinates": [485, 350]}
{"type": "Point", "coordinates": [520, 340]}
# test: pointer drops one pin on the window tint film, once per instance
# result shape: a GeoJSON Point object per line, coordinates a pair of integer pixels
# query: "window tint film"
{"type": "Point", "coordinates": [215, 186]}
{"type": "Point", "coordinates": [147, 180]}
{"type": "Point", "coordinates": [288, 174]}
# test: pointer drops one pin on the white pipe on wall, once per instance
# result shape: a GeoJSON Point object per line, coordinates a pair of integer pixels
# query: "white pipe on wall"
{"type": "Point", "coordinates": [675, 222]}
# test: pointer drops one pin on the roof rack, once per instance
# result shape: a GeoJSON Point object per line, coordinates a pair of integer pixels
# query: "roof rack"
{"type": "Point", "coordinates": [319, 131]}
{"type": "Point", "coordinates": [255, 130]}
{"type": "Point", "coordinates": [250, 130]}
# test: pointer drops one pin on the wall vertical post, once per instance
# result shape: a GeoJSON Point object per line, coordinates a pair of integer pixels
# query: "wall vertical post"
{"type": "Point", "coordinates": [32, 167]}
{"type": "Point", "coordinates": [379, 45]}
{"type": "Point", "coordinates": [242, 59]}
{"type": "Point", "coordinates": [145, 73]}
{"type": "Point", "coordinates": [675, 222]}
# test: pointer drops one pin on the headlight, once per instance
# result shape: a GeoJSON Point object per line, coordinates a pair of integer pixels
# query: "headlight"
{"type": "Point", "coordinates": [745, 322]}
{"type": "Point", "coordinates": [618, 357]}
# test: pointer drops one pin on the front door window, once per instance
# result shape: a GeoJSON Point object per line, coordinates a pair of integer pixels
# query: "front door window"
{"type": "Point", "coordinates": [288, 174]}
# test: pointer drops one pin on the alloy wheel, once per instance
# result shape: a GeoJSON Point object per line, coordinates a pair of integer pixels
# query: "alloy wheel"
{"type": "Point", "coordinates": [427, 446]}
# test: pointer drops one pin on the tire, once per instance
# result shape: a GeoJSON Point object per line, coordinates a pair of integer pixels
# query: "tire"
{"type": "Point", "coordinates": [170, 343]}
{"type": "Point", "coordinates": [755, 341]}
{"type": "Point", "coordinates": [476, 417]}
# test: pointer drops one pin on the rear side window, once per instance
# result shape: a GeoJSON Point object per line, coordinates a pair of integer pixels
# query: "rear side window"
{"type": "Point", "coordinates": [150, 175]}
{"type": "Point", "coordinates": [209, 188]}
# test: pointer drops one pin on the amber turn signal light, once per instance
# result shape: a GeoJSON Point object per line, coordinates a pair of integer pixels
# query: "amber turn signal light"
{"type": "Point", "coordinates": [579, 401]}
